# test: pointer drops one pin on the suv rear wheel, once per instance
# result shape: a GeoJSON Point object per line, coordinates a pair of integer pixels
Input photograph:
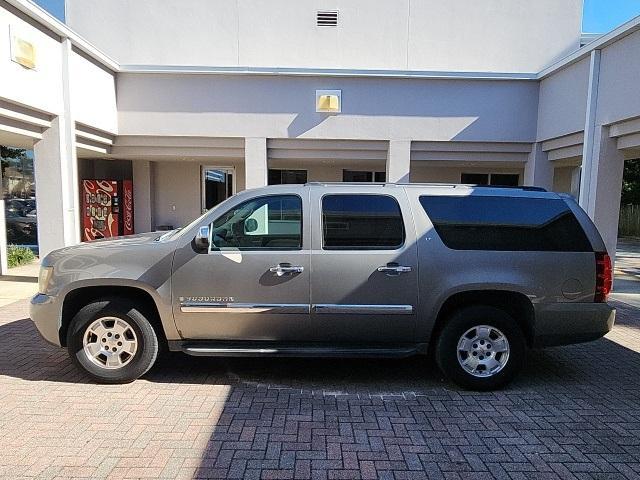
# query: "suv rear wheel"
{"type": "Point", "coordinates": [112, 341]}
{"type": "Point", "coordinates": [480, 348]}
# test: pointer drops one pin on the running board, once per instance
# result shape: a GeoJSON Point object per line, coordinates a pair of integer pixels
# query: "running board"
{"type": "Point", "coordinates": [220, 350]}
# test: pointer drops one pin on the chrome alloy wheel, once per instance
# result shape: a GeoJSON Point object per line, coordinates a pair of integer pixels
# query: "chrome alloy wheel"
{"type": "Point", "coordinates": [483, 351]}
{"type": "Point", "coordinates": [110, 343]}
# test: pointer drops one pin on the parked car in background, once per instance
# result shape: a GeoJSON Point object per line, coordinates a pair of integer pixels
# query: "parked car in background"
{"type": "Point", "coordinates": [22, 229]}
{"type": "Point", "coordinates": [474, 275]}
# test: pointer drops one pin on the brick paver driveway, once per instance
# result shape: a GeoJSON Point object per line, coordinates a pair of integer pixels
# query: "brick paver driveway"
{"type": "Point", "coordinates": [574, 413]}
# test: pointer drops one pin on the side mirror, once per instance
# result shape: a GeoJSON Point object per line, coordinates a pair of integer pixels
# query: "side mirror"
{"type": "Point", "coordinates": [250, 225]}
{"type": "Point", "coordinates": [201, 241]}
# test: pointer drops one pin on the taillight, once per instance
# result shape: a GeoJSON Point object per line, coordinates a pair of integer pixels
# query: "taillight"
{"type": "Point", "coordinates": [604, 277]}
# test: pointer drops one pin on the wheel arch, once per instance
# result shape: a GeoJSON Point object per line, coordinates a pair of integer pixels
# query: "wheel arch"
{"type": "Point", "coordinates": [516, 304]}
{"type": "Point", "coordinates": [78, 297]}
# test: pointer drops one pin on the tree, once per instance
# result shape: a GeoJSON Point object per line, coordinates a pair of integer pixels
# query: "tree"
{"type": "Point", "coordinates": [16, 157]}
{"type": "Point", "coordinates": [631, 183]}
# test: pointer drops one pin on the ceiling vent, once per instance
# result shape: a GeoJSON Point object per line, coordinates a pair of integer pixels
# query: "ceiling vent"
{"type": "Point", "coordinates": [327, 18]}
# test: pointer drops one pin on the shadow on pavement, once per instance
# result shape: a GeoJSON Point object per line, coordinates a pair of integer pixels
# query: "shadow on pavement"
{"type": "Point", "coordinates": [24, 354]}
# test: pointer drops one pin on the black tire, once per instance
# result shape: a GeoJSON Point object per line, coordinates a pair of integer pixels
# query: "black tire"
{"type": "Point", "coordinates": [147, 340]}
{"type": "Point", "coordinates": [457, 325]}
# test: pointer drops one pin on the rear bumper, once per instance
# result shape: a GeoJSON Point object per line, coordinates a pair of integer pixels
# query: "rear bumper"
{"type": "Point", "coordinates": [568, 323]}
{"type": "Point", "coordinates": [44, 312]}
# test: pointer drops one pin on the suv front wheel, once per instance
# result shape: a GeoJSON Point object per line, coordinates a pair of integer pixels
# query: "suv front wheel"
{"type": "Point", "coordinates": [112, 341]}
{"type": "Point", "coordinates": [480, 348]}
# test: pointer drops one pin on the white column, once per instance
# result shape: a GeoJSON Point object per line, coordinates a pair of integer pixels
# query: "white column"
{"type": "Point", "coordinates": [576, 172]}
{"type": "Point", "coordinates": [602, 166]}
{"type": "Point", "coordinates": [255, 162]}
{"type": "Point", "coordinates": [56, 175]}
{"type": "Point", "coordinates": [399, 161]}
{"type": "Point", "coordinates": [588, 151]}
{"type": "Point", "coordinates": [538, 171]}
{"type": "Point", "coordinates": [601, 185]}
{"type": "Point", "coordinates": [142, 196]}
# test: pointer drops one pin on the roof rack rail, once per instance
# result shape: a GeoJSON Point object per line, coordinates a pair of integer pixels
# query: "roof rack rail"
{"type": "Point", "coordinates": [527, 188]}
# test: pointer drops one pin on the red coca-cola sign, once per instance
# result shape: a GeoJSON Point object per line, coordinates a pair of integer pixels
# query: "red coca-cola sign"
{"type": "Point", "coordinates": [127, 212]}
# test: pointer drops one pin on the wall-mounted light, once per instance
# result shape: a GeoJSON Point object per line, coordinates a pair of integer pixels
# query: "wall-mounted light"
{"type": "Point", "coordinates": [23, 52]}
{"type": "Point", "coordinates": [329, 101]}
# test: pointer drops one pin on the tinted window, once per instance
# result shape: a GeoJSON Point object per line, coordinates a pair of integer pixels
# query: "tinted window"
{"type": "Point", "coordinates": [497, 179]}
{"type": "Point", "coordinates": [356, 176]}
{"type": "Point", "coordinates": [505, 179]}
{"type": "Point", "coordinates": [506, 223]}
{"type": "Point", "coordinates": [265, 223]}
{"type": "Point", "coordinates": [380, 176]}
{"type": "Point", "coordinates": [475, 178]}
{"type": "Point", "coordinates": [363, 176]}
{"type": "Point", "coordinates": [361, 222]}
{"type": "Point", "coordinates": [282, 177]}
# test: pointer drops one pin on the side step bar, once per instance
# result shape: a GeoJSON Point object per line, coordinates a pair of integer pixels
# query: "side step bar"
{"type": "Point", "coordinates": [211, 349]}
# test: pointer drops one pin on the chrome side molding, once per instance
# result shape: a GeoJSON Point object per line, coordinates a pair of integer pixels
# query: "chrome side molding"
{"type": "Point", "coordinates": [294, 308]}
{"type": "Point", "coordinates": [218, 307]}
{"type": "Point", "coordinates": [330, 308]}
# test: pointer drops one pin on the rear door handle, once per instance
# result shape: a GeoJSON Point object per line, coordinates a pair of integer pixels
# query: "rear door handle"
{"type": "Point", "coordinates": [393, 269]}
{"type": "Point", "coordinates": [286, 269]}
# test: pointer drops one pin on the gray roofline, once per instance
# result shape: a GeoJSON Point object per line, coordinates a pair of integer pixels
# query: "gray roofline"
{"type": "Point", "coordinates": [317, 72]}
{"type": "Point", "coordinates": [604, 41]}
{"type": "Point", "coordinates": [35, 12]}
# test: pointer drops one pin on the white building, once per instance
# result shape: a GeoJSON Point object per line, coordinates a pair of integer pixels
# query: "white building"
{"type": "Point", "coordinates": [178, 95]}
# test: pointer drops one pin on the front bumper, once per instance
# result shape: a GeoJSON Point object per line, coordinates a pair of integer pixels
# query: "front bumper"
{"type": "Point", "coordinates": [568, 323]}
{"type": "Point", "coordinates": [45, 314]}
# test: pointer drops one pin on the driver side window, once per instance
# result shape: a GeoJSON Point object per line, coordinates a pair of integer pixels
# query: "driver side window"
{"type": "Point", "coordinates": [264, 223]}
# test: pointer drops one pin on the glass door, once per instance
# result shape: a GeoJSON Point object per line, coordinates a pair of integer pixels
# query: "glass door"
{"type": "Point", "coordinates": [218, 184]}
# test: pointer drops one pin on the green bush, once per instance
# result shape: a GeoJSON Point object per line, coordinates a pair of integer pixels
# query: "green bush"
{"type": "Point", "coordinates": [17, 255]}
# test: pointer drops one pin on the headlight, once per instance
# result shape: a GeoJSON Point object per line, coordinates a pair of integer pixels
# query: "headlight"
{"type": "Point", "coordinates": [44, 278]}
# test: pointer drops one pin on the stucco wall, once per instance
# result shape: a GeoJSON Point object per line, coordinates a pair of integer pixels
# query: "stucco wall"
{"type": "Point", "coordinates": [176, 184]}
{"type": "Point", "coordinates": [619, 93]}
{"type": "Point", "coordinates": [284, 107]}
{"type": "Point", "coordinates": [179, 183]}
{"type": "Point", "coordinates": [493, 35]}
{"type": "Point", "coordinates": [93, 94]}
{"type": "Point", "coordinates": [40, 88]}
{"type": "Point", "coordinates": [562, 177]}
{"type": "Point", "coordinates": [563, 101]}
{"type": "Point", "coordinates": [458, 35]}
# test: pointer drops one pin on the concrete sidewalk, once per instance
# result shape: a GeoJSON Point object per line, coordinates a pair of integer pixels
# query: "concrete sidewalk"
{"type": "Point", "coordinates": [21, 283]}
{"type": "Point", "coordinates": [626, 284]}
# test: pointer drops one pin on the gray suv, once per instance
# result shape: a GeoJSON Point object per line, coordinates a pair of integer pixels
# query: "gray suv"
{"type": "Point", "coordinates": [475, 275]}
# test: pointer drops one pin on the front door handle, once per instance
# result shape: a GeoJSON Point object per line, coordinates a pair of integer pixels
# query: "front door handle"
{"type": "Point", "coordinates": [286, 269]}
{"type": "Point", "coordinates": [393, 269]}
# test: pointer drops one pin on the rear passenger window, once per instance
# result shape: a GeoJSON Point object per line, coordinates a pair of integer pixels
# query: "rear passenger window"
{"type": "Point", "coordinates": [361, 222]}
{"type": "Point", "coordinates": [506, 223]}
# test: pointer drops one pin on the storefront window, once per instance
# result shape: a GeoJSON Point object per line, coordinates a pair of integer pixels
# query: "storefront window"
{"type": "Point", "coordinates": [363, 176]}
{"type": "Point", "coordinates": [19, 194]}
{"type": "Point", "coordinates": [495, 179]}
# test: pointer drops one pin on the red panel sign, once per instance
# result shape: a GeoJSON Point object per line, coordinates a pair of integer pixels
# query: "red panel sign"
{"type": "Point", "coordinates": [100, 209]}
